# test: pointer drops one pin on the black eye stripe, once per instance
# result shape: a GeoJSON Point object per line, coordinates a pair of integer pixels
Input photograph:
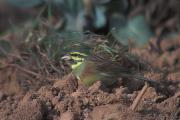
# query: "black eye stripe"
{"type": "Point", "coordinates": [77, 55]}
{"type": "Point", "coordinates": [75, 61]}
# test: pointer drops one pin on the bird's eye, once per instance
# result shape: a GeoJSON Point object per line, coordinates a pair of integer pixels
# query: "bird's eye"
{"type": "Point", "coordinates": [78, 54]}
{"type": "Point", "coordinates": [75, 59]}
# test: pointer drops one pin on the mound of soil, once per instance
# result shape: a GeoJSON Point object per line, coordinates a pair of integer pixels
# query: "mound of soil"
{"type": "Point", "coordinates": [28, 97]}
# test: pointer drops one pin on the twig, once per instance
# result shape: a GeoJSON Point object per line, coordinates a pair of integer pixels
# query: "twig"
{"type": "Point", "coordinates": [139, 97]}
{"type": "Point", "coordinates": [3, 67]}
{"type": "Point", "coordinates": [31, 72]}
{"type": "Point", "coordinates": [26, 70]}
{"type": "Point", "coordinates": [47, 60]}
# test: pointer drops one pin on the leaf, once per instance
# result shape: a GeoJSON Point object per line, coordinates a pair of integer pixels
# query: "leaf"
{"type": "Point", "coordinates": [100, 20]}
{"type": "Point", "coordinates": [118, 6]}
{"type": "Point", "coordinates": [136, 30]}
{"type": "Point", "coordinates": [117, 21]}
{"type": "Point", "coordinates": [71, 23]}
{"type": "Point", "coordinates": [25, 3]}
{"type": "Point", "coordinates": [5, 48]}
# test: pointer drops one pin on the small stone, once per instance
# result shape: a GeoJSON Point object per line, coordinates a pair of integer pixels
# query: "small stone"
{"type": "Point", "coordinates": [121, 90]}
{"type": "Point", "coordinates": [76, 94]}
{"type": "Point", "coordinates": [60, 96]}
{"type": "Point", "coordinates": [86, 113]}
{"type": "Point", "coordinates": [67, 116]}
{"type": "Point", "coordinates": [13, 106]}
{"type": "Point", "coordinates": [9, 98]}
{"type": "Point", "coordinates": [54, 91]}
{"type": "Point", "coordinates": [131, 96]}
{"type": "Point", "coordinates": [95, 87]}
{"type": "Point", "coordinates": [48, 103]}
{"type": "Point", "coordinates": [49, 106]}
{"type": "Point", "coordinates": [85, 101]}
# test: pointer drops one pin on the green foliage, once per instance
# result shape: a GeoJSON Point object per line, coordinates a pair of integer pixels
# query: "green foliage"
{"type": "Point", "coordinates": [73, 6]}
{"type": "Point", "coordinates": [58, 44]}
{"type": "Point", "coordinates": [25, 3]}
{"type": "Point", "coordinates": [100, 17]}
{"type": "Point", "coordinates": [136, 29]}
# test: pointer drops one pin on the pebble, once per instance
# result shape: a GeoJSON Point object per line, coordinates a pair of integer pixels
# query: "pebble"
{"type": "Point", "coordinates": [67, 116]}
{"type": "Point", "coordinates": [60, 96]}
{"type": "Point", "coordinates": [54, 92]}
{"type": "Point", "coordinates": [49, 106]}
{"type": "Point", "coordinates": [9, 98]}
{"type": "Point", "coordinates": [121, 90]}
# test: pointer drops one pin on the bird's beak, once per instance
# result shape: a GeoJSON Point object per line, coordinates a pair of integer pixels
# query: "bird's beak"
{"type": "Point", "coordinates": [66, 57]}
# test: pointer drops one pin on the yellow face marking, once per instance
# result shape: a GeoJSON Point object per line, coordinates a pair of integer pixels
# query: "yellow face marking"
{"type": "Point", "coordinates": [78, 53]}
{"type": "Point", "coordinates": [76, 57]}
{"type": "Point", "coordinates": [76, 65]}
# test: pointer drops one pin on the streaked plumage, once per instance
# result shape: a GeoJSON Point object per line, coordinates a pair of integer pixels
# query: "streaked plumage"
{"type": "Point", "coordinates": [102, 66]}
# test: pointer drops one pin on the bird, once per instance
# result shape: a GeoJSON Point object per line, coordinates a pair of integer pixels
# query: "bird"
{"type": "Point", "coordinates": [101, 65]}
{"type": "Point", "coordinates": [84, 68]}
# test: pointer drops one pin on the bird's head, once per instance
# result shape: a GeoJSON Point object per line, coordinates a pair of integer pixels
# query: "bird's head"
{"type": "Point", "coordinates": [75, 59]}
{"type": "Point", "coordinates": [83, 69]}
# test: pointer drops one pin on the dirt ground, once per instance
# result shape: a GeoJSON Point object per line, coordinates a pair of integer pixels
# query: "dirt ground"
{"type": "Point", "coordinates": [28, 97]}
